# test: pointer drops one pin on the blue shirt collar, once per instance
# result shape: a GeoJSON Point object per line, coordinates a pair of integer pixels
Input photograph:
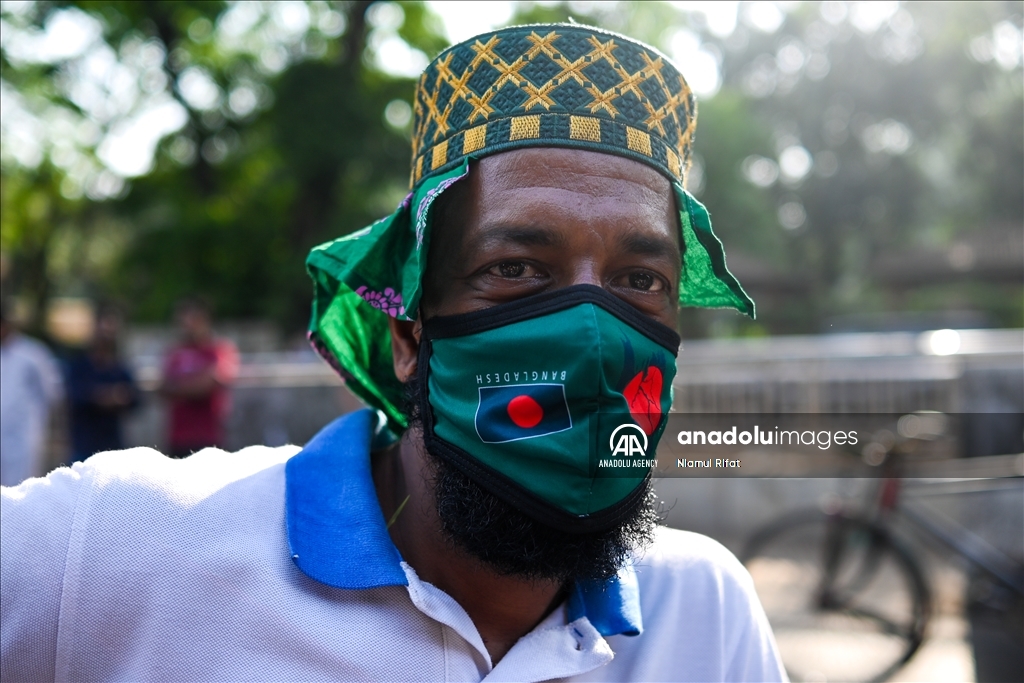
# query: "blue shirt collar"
{"type": "Point", "coordinates": [337, 534]}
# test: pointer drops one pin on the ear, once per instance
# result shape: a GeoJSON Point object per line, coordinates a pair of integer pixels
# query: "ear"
{"type": "Point", "coordinates": [405, 346]}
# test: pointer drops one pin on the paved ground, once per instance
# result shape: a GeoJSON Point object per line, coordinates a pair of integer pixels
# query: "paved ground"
{"type": "Point", "coordinates": [945, 656]}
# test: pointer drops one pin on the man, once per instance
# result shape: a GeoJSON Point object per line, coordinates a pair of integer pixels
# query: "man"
{"type": "Point", "coordinates": [30, 385]}
{"type": "Point", "coordinates": [197, 376]}
{"type": "Point", "coordinates": [101, 390]}
{"type": "Point", "coordinates": [508, 321]}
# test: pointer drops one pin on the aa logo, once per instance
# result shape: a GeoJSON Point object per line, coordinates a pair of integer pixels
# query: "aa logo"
{"type": "Point", "coordinates": [628, 440]}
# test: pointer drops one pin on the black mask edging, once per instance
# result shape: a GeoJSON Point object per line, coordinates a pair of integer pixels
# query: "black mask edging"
{"type": "Point", "coordinates": [441, 327]}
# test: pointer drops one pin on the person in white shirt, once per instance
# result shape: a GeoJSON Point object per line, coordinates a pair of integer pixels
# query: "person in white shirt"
{"type": "Point", "coordinates": [30, 385]}
{"type": "Point", "coordinates": [492, 519]}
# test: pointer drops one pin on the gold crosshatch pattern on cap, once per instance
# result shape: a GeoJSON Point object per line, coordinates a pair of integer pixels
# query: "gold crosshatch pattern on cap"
{"type": "Point", "coordinates": [484, 121]}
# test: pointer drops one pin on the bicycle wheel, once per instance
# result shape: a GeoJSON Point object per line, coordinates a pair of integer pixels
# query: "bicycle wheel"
{"type": "Point", "coordinates": [847, 601]}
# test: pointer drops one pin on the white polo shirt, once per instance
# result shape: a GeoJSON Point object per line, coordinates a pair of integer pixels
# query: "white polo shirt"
{"type": "Point", "coordinates": [275, 564]}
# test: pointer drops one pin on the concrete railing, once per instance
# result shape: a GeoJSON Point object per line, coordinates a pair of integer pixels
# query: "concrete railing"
{"type": "Point", "coordinates": [287, 397]}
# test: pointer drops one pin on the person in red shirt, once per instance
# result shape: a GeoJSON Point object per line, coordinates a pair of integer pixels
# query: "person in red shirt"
{"type": "Point", "coordinates": [197, 376]}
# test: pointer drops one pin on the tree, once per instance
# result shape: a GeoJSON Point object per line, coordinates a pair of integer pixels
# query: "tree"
{"type": "Point", "coordinates": [277, 142]}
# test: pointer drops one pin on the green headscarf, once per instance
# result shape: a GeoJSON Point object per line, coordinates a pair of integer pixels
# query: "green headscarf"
{"type": "Point", "coordinates": [553, 85]}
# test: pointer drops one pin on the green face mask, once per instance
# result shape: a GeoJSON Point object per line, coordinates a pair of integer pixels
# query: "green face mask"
{"type": "Point", "coordinates": [554, 403]}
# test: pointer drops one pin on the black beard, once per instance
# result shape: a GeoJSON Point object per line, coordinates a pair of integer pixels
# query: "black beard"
{"type": "Point", "coordinates": [513, 544]}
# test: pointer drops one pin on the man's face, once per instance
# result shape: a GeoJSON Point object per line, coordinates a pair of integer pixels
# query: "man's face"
{"type": "Point", "coordinates": [533, 220]}
{"type": "Point", "coordinates": [522, 223]}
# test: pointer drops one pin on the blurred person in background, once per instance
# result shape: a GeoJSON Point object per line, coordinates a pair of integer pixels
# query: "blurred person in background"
{"type": "Point", "coordinates": [30, 385]}
{"type": "Point", "coordinates": [197, 376]}
{"type": "Point", "coordinates": [101, 390]}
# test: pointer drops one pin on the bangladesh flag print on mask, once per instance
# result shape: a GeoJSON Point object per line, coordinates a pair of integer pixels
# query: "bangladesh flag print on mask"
{"type": "Point", "coordinates": [524, 397]}
{"type": "Point", "coordinates": [521, 412]}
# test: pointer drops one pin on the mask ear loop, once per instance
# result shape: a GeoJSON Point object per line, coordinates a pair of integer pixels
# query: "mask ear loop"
{"type": "Point", "coordinates": [426, 415]}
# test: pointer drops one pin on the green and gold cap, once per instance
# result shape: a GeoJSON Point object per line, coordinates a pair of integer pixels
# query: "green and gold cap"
{"type": "Point", "coordinates": [544, 85]}
{"type": "Point", "coordinates": [554, 85]}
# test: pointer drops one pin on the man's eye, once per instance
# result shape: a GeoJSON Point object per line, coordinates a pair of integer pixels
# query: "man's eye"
{"type": "Point", "coordinates": [511, 268]}
{"type": "Point", "coordinates": [644, 281]}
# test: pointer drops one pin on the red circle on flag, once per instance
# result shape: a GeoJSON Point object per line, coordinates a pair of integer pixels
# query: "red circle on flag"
{"type": "Point", "coordinates": [525, 412]}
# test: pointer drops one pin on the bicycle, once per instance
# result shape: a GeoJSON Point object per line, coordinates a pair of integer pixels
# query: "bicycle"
{"type": "Point", "coordinates": [846, 594]}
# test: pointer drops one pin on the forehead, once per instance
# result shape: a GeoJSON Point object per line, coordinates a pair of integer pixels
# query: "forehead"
{"type": "Point", "coordinates": [552, 187]}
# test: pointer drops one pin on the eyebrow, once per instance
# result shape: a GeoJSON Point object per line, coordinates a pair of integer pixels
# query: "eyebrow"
{"type": "Point", "coordinates": [529, 236]}
{"type": "Point", "coordinates": [520, 235]}
{"type": "Point", "coordinates": [647, 245]}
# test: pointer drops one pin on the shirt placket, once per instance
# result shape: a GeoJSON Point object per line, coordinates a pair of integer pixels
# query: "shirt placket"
{"type": "Point", "coordinates": [552, 650]}
{"type": "Point", "coordinates": [466, 656]}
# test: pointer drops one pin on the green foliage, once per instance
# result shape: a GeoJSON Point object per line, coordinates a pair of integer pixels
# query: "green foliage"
{"type": "Point", "coordinates": [237, 196]}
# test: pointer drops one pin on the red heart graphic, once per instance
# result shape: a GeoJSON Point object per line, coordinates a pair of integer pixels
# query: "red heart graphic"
{"type": "Point", "coordinates": [643, 393]}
